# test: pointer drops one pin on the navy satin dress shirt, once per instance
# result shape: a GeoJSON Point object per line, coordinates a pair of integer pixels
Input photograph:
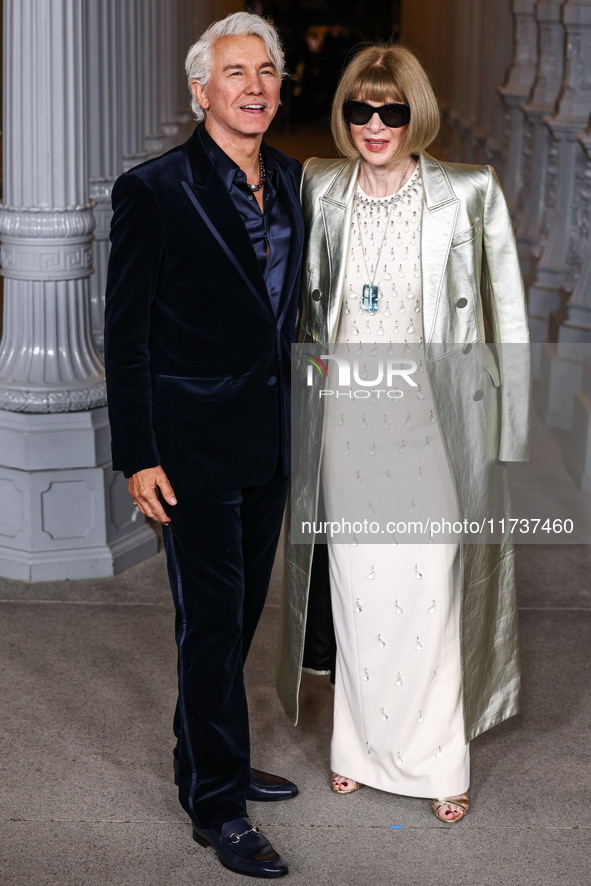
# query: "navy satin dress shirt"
{"type": "Point", "coordinates": [271, 228]}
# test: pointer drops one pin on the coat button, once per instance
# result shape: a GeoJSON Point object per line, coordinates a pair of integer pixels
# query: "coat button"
{"type": "Point", "coordinates": [272, 381]}
{"type": "Point", "coordinates": [461, 303]}
{"type": "Point", "coordinates": [478, 395]}
{"type": "Point", "coordinates": [466, 349]}
{"type": "Point", "coordinates": [316, 294]}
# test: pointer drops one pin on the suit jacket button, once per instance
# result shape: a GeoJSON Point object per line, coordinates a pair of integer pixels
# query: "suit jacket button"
{"type": "Point", "coordinates": [478, 395]}
{"type": "Point", "coordinates": [316, 294]}
{"type": "Point", "coordinates": [272, 381]}
{"type": "Point", "coordinates": [467, 348]}
{"type": "Point", "coordinates": [461, 303]}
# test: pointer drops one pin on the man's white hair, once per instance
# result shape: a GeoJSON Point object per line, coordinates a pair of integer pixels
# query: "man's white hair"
{"type": "Point", "coordinates": [239, 24]}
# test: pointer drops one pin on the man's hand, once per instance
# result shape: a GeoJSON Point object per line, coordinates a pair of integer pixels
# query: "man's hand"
{"type": "Point", "coordinates": [142, 488]}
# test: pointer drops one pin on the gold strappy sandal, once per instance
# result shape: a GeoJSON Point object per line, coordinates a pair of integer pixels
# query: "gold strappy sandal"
{"type": "Point", "coordinates": [338, 790]}
{"type": "Point", "coordinates": [461, 801]}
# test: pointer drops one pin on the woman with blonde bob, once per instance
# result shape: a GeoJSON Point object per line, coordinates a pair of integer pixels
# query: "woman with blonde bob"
{"type": "Point", "coordinates": [416, 256]}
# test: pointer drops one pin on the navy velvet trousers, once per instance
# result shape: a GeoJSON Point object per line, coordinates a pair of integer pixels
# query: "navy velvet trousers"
{"type": "Point", "coordinates": [220, 547]}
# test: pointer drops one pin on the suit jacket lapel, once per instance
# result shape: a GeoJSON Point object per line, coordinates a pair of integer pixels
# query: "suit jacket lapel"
{"type": "Point", "coordinates": [290, 198]}
{"type": "Point", "coordinates": [437, 226]}
{"type": "Point", "coordinates": [211, 199]}
{"type": "Point", "coordinates": [337, 205]}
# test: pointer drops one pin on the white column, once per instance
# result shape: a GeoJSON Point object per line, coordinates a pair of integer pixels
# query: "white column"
{"type": "Point", "coordinates": [168, 69]}
{"type": "Point", "coordinates": [537, 136]}
{"type": "Point", "coordinates": [429, 43]}
{"type": "Point", "coordinates": [103, 62]}
{"type": "Point", "coordinates": [570, 325]}
{"type": "Point", "coordinates": [185, 37]}
{"type": "Point", "coordinates": [500, 42]}
{"type": "Point", "coordinates": [468, 118]}
{"type": "Point", "coordinates": [562, 197]}
{"type": "Point", "coordinates": [63, 516]}
{"type": "Point", "coordinates": [579, 457]}
{"type": "Point", "coordinates": [562, 274]}
{"type": "Point", "coordinates": [142, 92]}
{"type": "Point", "coordinates": [443, 34]}
{"type": "Point", "coordinates": [572, 321]}
{"type": "Point", "coordinates": [478, 39]}
{"type": "Point", "coordinates": [156, 75]}
{"type": "Point", "coordinates": [485, 84]}
{"type": "Point", "coordinates": [48, 360]}
{"type": "Point", "coordinates": [131, 50]}
{"type": "Point", "coordinates": [148, 83]}
{"type": "Point", "coordinates": [463, 59]}
{"type": "Point", "coordinates": [514, 92]}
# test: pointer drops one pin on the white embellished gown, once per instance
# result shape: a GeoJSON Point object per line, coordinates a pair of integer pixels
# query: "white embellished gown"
{"type": "Point", "coordinates": [398, 722]}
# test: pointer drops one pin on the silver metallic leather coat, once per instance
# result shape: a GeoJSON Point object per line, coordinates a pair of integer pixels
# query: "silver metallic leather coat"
{"type": "Point", "coordinates": [471, 283]}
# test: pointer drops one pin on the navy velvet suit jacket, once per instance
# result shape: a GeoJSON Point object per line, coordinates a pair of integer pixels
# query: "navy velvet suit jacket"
{"type": "Point", "coordinates": [198, 365]}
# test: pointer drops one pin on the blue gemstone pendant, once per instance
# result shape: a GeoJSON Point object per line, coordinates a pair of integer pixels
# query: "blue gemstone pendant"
{"type": "Point", "coordinates": [369, 301]}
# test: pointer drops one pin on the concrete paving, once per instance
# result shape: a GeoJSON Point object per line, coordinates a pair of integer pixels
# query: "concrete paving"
{"type": "Point", "coordinates": [87, 799]}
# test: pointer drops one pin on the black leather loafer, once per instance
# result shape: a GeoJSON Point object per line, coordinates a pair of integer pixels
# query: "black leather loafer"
{"type": "Point", "coordinates": [242, 848]}
{"type": "Point", "coordinates": [267, 787]}
{"type": "Point", "coordinates": [264, 786]}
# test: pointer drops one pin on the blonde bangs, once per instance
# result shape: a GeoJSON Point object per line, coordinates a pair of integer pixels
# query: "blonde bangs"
{"type": "Point", "coordinates": [377, 84]}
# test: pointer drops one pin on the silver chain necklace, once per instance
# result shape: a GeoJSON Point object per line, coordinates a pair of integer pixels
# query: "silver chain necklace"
{"type": "Point", "coordinates": [370, 292]}
{"type": "Point", "coordinates": [263, 174]}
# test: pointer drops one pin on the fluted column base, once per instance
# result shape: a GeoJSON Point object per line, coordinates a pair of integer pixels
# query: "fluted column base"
{"type": "Point", "coordinates": [579, 455]}
{"type": "Point", "coordinates": [550, 256]}
{"type": "Point", "coordinates": [48, 360]}
{"type": "Point", "coordinates": [561, 371]}
{"type": "Point", "coordinates": [531, 214]}
{"type": "Point", "coordinates": [513, 140]}
{"type": "Point", "coordinates": [65, 514]}
{"type": "Point", "coordinates": [100, 191]}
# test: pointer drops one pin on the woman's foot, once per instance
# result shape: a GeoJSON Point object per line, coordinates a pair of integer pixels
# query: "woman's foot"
{"type": "Point", "coordinates": [451, 809]}
{"type": "Point", "coordinates": [343, 785]}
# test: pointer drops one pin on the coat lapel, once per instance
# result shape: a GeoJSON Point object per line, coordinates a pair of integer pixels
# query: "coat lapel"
{"type": "Point", "coordinates": [438, 223]}
{"type": "Point", "coordinates": [287, 193]}
{"type": "Point", "coordinates": [211, 199]}
{"type": "Point", "coordinates": [437, 227]}
{"type": "Point", "coordinates": [337, 205]}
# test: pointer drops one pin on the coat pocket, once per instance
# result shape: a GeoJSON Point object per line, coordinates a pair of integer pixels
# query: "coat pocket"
{"type": "Point", "coordinates": [177, 386]}
{"type": "Point", "coordinates": [491, 367]}
{"type": "Point", "coordinates": [467, 235]}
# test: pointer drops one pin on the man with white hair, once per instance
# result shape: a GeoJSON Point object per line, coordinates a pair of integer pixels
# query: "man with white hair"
{"type": "Point", "coordinates": [200, 314]}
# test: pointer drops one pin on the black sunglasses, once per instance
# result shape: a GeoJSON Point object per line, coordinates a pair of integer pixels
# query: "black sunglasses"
{"type": "Point", "coordinates": [360, 113]}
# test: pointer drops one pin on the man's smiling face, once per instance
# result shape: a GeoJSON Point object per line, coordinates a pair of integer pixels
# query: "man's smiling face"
{"type": "Point", "coordinates": [242, 94]}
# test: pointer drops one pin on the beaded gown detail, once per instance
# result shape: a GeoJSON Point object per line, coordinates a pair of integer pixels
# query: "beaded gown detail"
{"type": "Point", "coordinates": [398, 722]}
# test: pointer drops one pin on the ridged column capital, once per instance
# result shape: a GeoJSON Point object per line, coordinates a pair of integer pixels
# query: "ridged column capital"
{"type": "Point", "coordinates": [522, 72]}
{"type": "Point", "coordinates": [48, 359]}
